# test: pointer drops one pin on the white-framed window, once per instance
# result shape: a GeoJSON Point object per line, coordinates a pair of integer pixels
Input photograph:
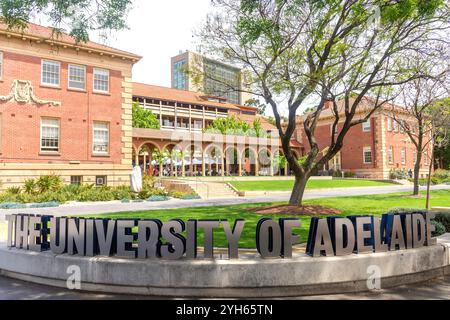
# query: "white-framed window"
{"type": "Point", "coordinates": [391, 154]}
{"type": "Point", "coordinates": [1, 65]}
{"type": "Point", "coordinates": [49, 135]}
{"type": "Point", "coordinates": [403, 155]}
{"type": "Point", "coordinates": [367, 155]}
{"type": "Point", "coordinates": [50, 73]}
{"type": "Point", "coordinates": [415, 156]}
{"type": "Point", "coordinates": [389, 124]}
{"type": "Point", "coordinates": [101, 138]}
{"type": "Point", "coordinates": [77, 77]}
{"type": "Point", "coordinates": [366, 126]}
{"type": "Point", "coordinates": [425, 158]}
{"type": "Point", "coordinates": [395, 125]}
{"type": "Point", "coordinates": [101, 80]}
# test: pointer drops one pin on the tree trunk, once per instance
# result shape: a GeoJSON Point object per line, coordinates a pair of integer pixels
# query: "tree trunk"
{"type": "Point", "coordinates": [299, 190]}
{"type": "Point", "coordinates": [430, 170]}
{"type": "Point", "coordinates": [417, 173]}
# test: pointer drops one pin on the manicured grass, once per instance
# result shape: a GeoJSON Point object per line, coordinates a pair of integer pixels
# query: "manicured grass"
{"type": "Point", "coordinates": [286, 185]}
{"type": "Point", "coordinates": [372, 205]}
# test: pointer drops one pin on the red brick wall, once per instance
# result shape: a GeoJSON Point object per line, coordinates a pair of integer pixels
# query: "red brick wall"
{"type": "Point", "coordinates": [354, 143]}
{"type": "Point", "coordinates": [20, 126]}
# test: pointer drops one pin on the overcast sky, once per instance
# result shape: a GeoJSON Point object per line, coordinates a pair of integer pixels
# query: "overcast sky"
{"type": "Point", "coordinates": [157, 31]}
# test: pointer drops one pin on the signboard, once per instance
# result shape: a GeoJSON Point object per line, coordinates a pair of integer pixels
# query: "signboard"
{"type": "Point", "coordinates": [176, 239]}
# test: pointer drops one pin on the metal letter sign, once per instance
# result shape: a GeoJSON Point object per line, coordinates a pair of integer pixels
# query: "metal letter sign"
{"type": "Point", "coordinates": [175, 239]}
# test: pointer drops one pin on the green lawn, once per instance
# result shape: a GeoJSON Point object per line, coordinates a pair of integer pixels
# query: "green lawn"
{"type": "Point", "coordinates": [286, 185]}
{"type": "Point", "coordinates": [373, 205]}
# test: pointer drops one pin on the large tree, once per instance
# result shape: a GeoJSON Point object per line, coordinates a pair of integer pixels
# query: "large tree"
{"type": "Point", "coordinates": [77, 17]}
{"type": "Point", "coordinates": [338, 51]}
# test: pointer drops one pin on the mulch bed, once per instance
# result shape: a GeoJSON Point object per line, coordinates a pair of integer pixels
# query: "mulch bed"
{"type": "Point", "coordinates": [295, 210]}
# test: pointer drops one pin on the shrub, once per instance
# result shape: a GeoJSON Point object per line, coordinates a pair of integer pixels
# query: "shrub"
{"type": "Point", "coordinates": [29, 186]}
{"type": "Point", "coordinates": [349, 174]}
{"type": "Point", "coordinates": [158, 198]}
{"type": "Point", "coordinates": [48, 183]}
{"type": "Point", "coordinates": [442, 174]}
{"type": "Point", "coordinates": [190, 197]}
{"type": "Point", "coordinates": [439, 228]}
{"type": "Point", "coordinates": [337, 174]}
{"type": "Point", "coordinates": [398, 174]}
{"type": "Point", "coordinates": [12, 205]}
{"type": "Point", "coordinates": [444, 218]}
{"type": "Point", "coordinates": [14, 190]}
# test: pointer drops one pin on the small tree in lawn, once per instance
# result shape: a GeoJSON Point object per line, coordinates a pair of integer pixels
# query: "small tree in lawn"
{"type": "Point", "coordinates": [416, 118]}
{"type": "Point", "coordinates": [338, 51]}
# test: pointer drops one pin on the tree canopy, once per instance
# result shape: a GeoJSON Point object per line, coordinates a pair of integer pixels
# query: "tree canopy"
{"type": "Point", "coordinates": [77, 17]}
{"type": "Point", "coordinates": [328, 51]}
{"type": "Point", "coordinates": [143, 118]}
{"type": "Point", "coordinates": [235, 126]}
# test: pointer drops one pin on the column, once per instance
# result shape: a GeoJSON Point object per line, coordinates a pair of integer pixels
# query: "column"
{"type": "Point", "coordinates": [271, 166]}
{"type": "Point", "coordinates": [203, 165]}
{"type": "Point", "coordinates": [136, 158]}
{"type": "Point", "coordinates": [161, 169]}
{"type": "Point", "coordinates": [222, 159]}
{"type": "Point", "coordinates": [239, 161]}
{"type": "Point", "coordinates": [257, 165]}
{"type": "Point", "coordinates": [145, 162]}
{"type": "Point", "coordinates": [183, 166]}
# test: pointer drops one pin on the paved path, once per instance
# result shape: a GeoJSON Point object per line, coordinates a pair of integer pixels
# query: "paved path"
{"type": "Point", "coordinates": [11, 289]}
{"type": "Point", "coordinates": [117, 206]}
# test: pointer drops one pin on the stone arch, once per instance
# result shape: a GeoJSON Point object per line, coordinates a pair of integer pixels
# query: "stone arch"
{"type": "Point", "coordinates": [265, 159]}
{"type": "Point", "coordinates": [143, 157]}
{"type": "Point", "coordinates": [193, 160]}
{"type": "Point", "coordinates": [214, 162]}
{"type": "Point", "coordinates": [250, 165]}
{"type": "Point", "coordinates": [232, 160]}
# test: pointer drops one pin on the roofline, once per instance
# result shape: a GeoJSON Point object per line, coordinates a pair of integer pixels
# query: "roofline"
{"type": "Point", "coordinates": [77, 46]}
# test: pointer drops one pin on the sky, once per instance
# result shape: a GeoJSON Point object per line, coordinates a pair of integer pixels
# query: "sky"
{"type": "Point", "coordinates": [159, 30]}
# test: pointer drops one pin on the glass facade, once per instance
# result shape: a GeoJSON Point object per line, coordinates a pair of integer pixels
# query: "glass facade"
{"type": "Point", "coordinates": [179, 75]}
{"type": "Point", "coordinates": [222, 81]}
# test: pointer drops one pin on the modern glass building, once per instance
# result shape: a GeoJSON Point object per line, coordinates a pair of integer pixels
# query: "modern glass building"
{"type": "Point", "coordinates": [217, 80]}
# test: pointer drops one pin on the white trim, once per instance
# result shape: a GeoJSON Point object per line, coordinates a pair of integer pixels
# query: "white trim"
{"type": "Point", "coordinates": [93, 80]}
{"type": "Point", "coordinates": [68, 76]}
{"type": "Point", "coordinates": [59, 73]}
{"type": "Point", "coordinates": [367, 126]}
{"type": "Point", "coordinates": [365, 149]}
{"type": "Point", "coordinates": [59, 135]}
{"type": "Point", "coordinates": [403, 155]}
{"type": "Point", "coordinates": [93, 137]}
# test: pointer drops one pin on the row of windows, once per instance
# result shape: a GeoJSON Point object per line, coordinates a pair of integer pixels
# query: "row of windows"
{"type": "Point", "coordinates": [403, 155]}
{"type": "Point", "coordinates": [50, 136]}
{"type": "Point", "coordinates": [51, 76]}
{"type": "Point", "coordinates": [366, 127]}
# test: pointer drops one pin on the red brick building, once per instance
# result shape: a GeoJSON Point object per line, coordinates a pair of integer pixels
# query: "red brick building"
{"type": "Point", "coordinates": [65, 108]}
{"type": "Point", "coordinates": [371, 149]}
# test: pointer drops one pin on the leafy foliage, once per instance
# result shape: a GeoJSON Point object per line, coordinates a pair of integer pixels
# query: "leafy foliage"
{"type": "Point", "coordinates": [143, 118]}
{"type": "Point", "coordinates": [234, 126]}
{"type": "Point", "coordinates": [78, 16]}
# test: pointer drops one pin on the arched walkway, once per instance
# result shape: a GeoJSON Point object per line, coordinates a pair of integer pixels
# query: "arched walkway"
{"type": "Point", "coordinates": [250, 162]}
{"type": "Point", "coordinates": [214, 161]}
{"type": "Point", "coordinates": [232, 162]}
{"type": "Point", "coordinates": [265, 161]}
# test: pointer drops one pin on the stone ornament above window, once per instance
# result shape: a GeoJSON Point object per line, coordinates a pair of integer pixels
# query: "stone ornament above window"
{"type": "Point", "coordinates": [22, 92]}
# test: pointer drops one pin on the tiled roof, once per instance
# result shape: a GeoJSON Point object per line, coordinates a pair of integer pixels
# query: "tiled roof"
{"type": "Point", "coordinates": [47, 33]}
{"type": "Point", "coordinates": [266, 125]}
{"type": "Point", "coordinates": [182, 96]}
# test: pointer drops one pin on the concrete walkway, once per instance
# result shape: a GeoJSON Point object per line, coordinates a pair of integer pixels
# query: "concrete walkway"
{"type": "Point", "coordinates": [11, 289]}
{"type": "Point", "coordinates": [117, 206]}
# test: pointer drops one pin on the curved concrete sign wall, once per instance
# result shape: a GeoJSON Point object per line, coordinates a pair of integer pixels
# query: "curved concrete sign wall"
{"type": "Point", "coordinates": [151, 257]}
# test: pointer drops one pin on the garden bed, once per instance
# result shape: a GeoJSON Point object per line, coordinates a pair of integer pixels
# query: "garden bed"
{"type": "Point", "coordinates": [295, 210]}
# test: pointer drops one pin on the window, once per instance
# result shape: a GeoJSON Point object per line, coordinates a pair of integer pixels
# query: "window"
{"type": "Point", "coordinates": [403, 155]}
{"type": "Point", "coordinates": [100, 181]}
{"type": "Point", "coordinates": [391, 154]}
{"type": "Point", "coordinates": [179, 75]}
{"type": "Point", "coordinates": [395, 126]}
{"type": "Point", "coordinates": [50, 73]}
{"type": "Point", "coordinates": [77, 77]}
{"type": "Point", "coordinates": [1, 65]}
{"type": "Point", "coordinates": [415, 157]}
{"type": "Point", "coordinates": [49, 135]}
{"type": "Point", "coordinates": [367, 155]}
{"type": "Point", "coordinates": [101, 80]}
{"type": "Point", "coordinates": [76, 180]}
{"type": "Point", "coordinates": [425, 158]}
{"type": "Point", "coordinates": [389, 124]}
{"type": "Point", "coordinates": [366, 126]}
{"type": "Point", "coordinates": [101, 137]}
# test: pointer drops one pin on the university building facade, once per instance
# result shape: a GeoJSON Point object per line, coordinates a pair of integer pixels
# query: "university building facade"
{"type": "Point", "coordinates": [66, 109]}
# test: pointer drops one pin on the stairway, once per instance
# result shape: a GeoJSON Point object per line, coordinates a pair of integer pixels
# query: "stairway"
{"type": "Point", "coordinates": [208, 190]}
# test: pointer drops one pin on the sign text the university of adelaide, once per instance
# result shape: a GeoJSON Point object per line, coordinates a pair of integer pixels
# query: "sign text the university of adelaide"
{"type": "Point", "coordinates": [176, 239]}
